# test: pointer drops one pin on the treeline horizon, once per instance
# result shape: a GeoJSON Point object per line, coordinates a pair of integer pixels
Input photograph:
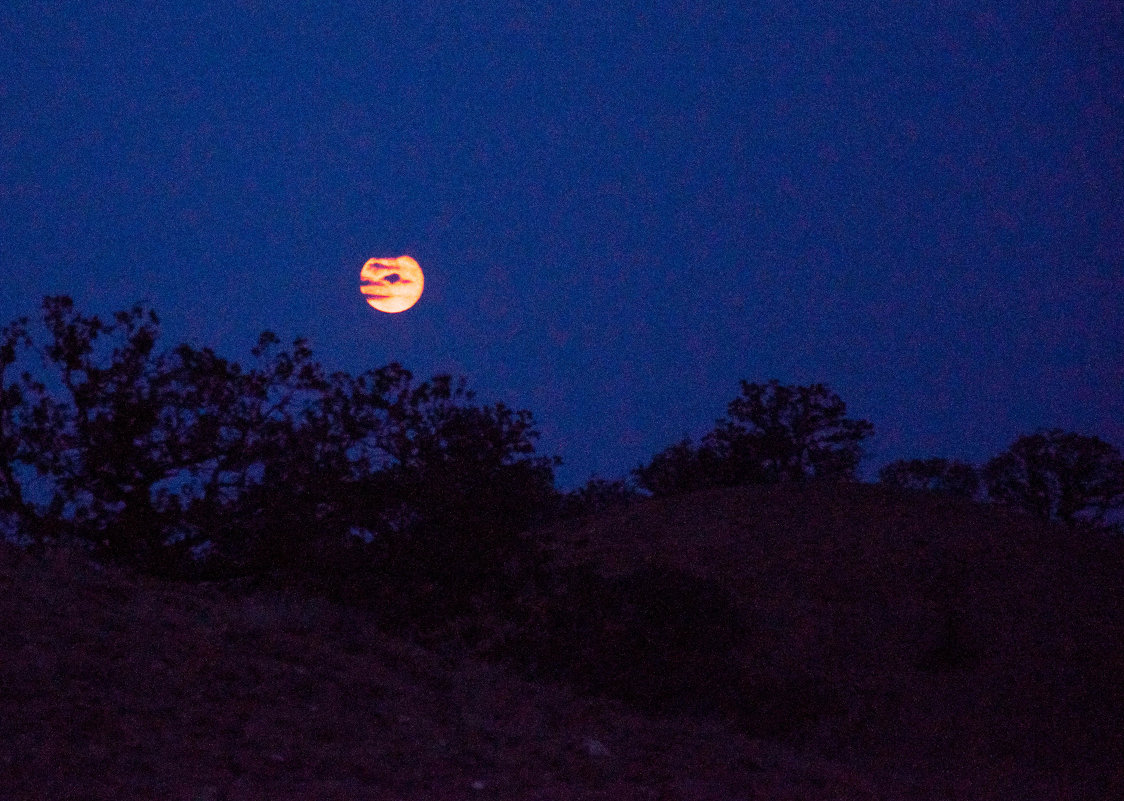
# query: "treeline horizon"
{"type": "Point", "coordinates": [184, 463]}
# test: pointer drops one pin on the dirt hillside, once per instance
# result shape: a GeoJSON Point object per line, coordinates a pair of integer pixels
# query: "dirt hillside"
{"type": "Point", "coordinates": [953, 652]}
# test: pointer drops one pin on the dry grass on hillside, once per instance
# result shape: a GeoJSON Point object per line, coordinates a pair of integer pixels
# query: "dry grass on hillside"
{"type": "Point", "coordinates": [969, 655]}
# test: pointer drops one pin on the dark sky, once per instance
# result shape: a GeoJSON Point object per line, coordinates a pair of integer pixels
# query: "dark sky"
{"type": "Point", "coordinates": [621, 208]}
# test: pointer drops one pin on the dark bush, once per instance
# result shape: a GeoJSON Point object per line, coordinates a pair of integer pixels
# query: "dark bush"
{"type": "Point", "coordinates": [658, 638]}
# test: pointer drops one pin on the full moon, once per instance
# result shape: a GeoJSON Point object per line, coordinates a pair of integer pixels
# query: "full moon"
{"type": "Point", "coordinates": [391, 285]}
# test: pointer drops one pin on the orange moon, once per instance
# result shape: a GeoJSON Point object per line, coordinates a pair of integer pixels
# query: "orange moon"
{"type": "Point", "coordinates": [391, 285]}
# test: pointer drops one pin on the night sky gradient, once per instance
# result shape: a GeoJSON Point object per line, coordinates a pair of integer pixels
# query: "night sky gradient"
{"type": "Point", "coordinates": [621, 208]}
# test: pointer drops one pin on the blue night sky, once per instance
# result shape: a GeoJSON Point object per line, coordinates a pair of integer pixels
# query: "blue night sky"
{"type": "Point", "coordinates": [621, 208]}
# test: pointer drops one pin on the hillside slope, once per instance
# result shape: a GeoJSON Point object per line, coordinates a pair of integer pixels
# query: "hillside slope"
{"type": "Point", "coordinates": [964, 653]}
{"type": "Point", "coordinates": [953, 638]}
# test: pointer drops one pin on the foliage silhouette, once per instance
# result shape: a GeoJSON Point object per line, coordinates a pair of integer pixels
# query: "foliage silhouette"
{"type": "Point", "coordinates": [597, 495]}
{"type": "Point", "coordinates": [1060, 476]}
{"type": "Point", "coordinates": [184, 463]}
{"type": "Point", "coordinates": [772, 433]}
{"type": "Point", "coordinates": [383, 489]}
{"type": "Point", "coordinates": [933, 475]}
{"type": "Point", "coordinates": [125, 423]}
{"type": "Point", "coordinates": [679, 469]}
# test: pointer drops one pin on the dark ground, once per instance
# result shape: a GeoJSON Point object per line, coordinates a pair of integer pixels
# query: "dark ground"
{"type": "Point", "coordinates": [910, 646]}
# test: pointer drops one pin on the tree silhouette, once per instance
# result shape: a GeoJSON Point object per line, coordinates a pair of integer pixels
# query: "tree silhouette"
{"type": "Point", "coordinates": [461, 485]}
{"type": "Point", "coordinates": [181, 461]}
{"type": "Point", "coordinates": [16, 413]}
{"type": "Point", "coordinates": [771, 433]}
{"type": "Point", "coordinates": [1059, 476]}
{"type": "Point", "coordinates": [789, 433]}
{"type": "Point", "coordinates": [133, 437]}
{"type": "Point", "coordinates": [107, 444]}
{"type": "Point", "coordinates": [678, 469]}
{"type": "Point", "coordinates": [932, 475]}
